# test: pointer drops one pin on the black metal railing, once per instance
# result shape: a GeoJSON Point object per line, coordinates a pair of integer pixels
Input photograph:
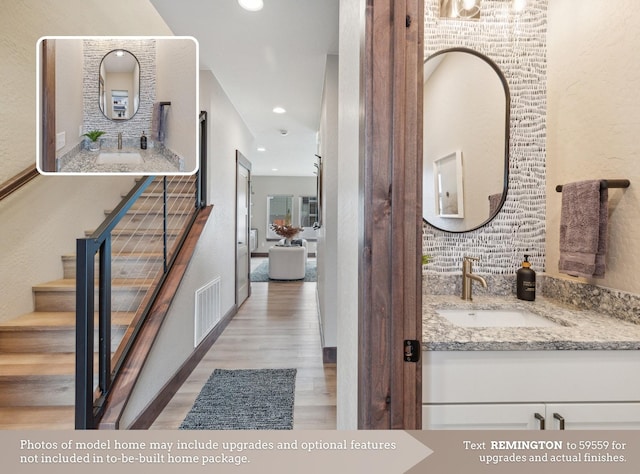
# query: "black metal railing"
{"type": "Point", "coordinates": [140, 239]}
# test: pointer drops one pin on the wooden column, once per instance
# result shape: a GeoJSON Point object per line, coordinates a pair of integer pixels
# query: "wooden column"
{"type": "Point", "coordinates": [48, 110]}
{"type": "Point", "coordinates": [389, 389]}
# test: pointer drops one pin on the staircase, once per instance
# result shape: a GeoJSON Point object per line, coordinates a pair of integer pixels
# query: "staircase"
{"type": "Point", "coordinates": [37, 350]}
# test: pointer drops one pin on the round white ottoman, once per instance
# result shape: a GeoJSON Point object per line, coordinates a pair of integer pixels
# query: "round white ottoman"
{"type": "Point", "coordinates": [287, 263]}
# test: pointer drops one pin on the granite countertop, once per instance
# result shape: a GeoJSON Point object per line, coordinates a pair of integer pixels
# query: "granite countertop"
{"type": "Point", "coordinates": [154, 162]}
{"type": "Point", "coordinates": [577, 329]}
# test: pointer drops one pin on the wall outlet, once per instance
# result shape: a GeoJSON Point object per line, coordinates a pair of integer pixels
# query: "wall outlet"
{"type": "Point", "coordinates": [61, 139]}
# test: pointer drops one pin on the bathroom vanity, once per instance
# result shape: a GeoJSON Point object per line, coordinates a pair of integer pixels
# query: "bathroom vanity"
{"type": "Point", "coordinates": [126, 160]}
{"type": "Point", "coordinates": [578, 372]}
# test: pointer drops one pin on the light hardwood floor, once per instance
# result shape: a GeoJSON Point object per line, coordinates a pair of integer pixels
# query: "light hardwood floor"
{"type": "Point", "coordinates": [277, 327]}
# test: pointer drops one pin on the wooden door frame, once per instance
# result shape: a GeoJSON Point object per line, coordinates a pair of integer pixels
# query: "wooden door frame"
{"type": "Point", "coordinates": [245, 163]}
{"type": "Point", "coordinates": [48, 106]}
{"type": "Point", "coordinates": [390, 309]}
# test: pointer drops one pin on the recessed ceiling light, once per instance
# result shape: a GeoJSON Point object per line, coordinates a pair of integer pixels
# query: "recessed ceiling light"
{"type": "Point", "coordinates": [279, 110]}
{"type": "Point", "coordinates": [120, 53]}
{"type": "Point", "coordinates": [262, 148]}
{"type": "Point", "coordinates": [251, 5]}
{"type": "Point", "coordinates": [274, 169]}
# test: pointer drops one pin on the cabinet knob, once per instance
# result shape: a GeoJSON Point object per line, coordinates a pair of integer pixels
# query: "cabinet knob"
{"type": "Point", "coordinates": [558, 417]}
{"type": "Point", "coordinates": [540, 418]}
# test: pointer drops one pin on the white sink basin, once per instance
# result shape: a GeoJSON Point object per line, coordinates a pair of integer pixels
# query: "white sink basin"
{"type": "Point", "coordinates": [494, 318]}
{"type": "Point", "coordinates": [119, 158]}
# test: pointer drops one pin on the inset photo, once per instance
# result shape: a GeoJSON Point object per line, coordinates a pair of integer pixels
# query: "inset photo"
{"type": "Point", "coordinates": [117, 105]}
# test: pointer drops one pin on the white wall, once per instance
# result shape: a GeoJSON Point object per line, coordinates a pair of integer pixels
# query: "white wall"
{"type": "Point", "coordinates": [349, 220]}
{"type": "Point", "coordinates": [40, 222]}
{"type": "Point", "coordinates": [177, 75]}
{"type": "Point", "coordinates": [215, 252]}
{"type": "Point", "coordinates": [22, 23]}
{"type": "Point", "coordinates": [119, 81]}
{"type": "Point", "coordinates": [263, 186]}
{"type": "Point", "coordinates": [593, 120]}
{"type": "Point", "coordinates": [328, 233]}
{"type": "Point", "coordinates": [68, 91]}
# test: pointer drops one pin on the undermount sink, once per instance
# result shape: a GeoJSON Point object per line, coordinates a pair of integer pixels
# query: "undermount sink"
{"type": "Point", "coordinates": [119, 158]}
{"type": "Point", "coordinates": [494, 318]}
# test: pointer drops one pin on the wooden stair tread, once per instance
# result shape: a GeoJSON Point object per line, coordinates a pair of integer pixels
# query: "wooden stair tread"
{"type": "Point", "coordinates": [159, 193]}
{"type": "Point", "coordinates": [133, 212]}
{"type": "Point", "coordinates": [69, 284]}
{"type": "Point", "coordinates": [171, 231]}
{"type": "Point", "coordinates": [125, 255]}
{"type": "Point", "coordinates": [32, 365]}
{"type": "Point", "coordinates": [37, 417]}
{"type": "Point", "coordinates": [55, 319]}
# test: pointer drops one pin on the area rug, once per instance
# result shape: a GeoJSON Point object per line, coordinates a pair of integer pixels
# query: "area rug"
{"type": "Point", "coordinates": [261, 273]}
{"type": "Point", "coordinates": [248, 399]}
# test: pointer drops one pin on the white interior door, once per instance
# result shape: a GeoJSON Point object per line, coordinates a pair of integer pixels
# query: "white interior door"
{"type": "Point", "coordinates": [243, 224]}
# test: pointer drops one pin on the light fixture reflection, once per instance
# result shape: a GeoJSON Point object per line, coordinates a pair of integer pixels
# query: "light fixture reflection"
{"type": "Point", "coordinates": [460, 9]}
{"type": "Point", "coordinates": [519, 5]}
{"type": "Point", "coordinates": [279, 110]}
{"type": "Point", "coordinates": [251, 5]}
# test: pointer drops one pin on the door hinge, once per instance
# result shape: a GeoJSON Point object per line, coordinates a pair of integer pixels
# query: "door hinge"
{"type": "Point", "coordinates": [408, 21]}
{"type": "Point", "coordinates": [411, 350]}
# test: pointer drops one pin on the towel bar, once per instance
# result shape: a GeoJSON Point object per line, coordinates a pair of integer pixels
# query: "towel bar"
{"type": "Point", "coordinates": [607, 183]}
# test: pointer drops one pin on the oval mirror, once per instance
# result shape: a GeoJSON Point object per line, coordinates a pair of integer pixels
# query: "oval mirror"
{"type": "Point", "coordinates": [119, 88]}
{"type": "Point", "coordinates": [466, 140]}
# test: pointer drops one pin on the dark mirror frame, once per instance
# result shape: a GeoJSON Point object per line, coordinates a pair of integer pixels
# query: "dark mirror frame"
{"type": "Point", "coordinates": [507, 93]}
{"type": "Point", "coordinates": [101, 86]}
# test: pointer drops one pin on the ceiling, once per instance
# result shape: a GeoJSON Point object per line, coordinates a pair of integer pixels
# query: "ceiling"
{"type": "Point", "coordinates": [273, 57]}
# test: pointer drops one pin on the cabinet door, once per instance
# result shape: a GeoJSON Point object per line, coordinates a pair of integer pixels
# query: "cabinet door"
{"type": "Point", "coordinates": [594, 416]}
{"type": "Point", "coordinates": [493, 416]}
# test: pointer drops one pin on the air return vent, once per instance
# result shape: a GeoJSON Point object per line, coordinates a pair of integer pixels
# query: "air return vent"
{"type": "Point", "coordinates": [207, 313]}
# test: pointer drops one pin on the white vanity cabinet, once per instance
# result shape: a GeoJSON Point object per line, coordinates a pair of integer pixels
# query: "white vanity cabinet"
{"type": "Point", "coordinates": [511, 390]}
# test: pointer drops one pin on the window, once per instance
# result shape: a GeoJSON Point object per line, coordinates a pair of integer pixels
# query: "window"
{"type": "Point", "coordinates": [308, 211]}
{"type": "Point", "coordinates": [308, 206]}
{"type": "Point", "coordinates": [279, 211]}
{"type": "Point", "coordinates": [301, 212]}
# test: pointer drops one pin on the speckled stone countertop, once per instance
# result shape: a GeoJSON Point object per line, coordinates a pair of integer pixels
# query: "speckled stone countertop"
{"type": "Point", "coordinates": [155, 162]}
{"type": "Point", "coordinates": [578, 329]}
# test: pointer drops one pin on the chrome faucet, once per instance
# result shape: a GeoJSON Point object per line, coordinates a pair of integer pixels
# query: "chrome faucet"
{"type": "Point", "coordinates": [119, 140]}
{"type": "Point", "coordinates": [468, 276]}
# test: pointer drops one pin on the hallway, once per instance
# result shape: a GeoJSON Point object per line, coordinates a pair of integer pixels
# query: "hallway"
{"type": "Point", "coordinates": [277, 327]}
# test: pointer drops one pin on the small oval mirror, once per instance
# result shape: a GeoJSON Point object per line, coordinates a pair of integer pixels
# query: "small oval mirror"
{"type": "Point", "coordinates": [466, 140]}
{"type": "Point", "coordinates": [119, 88]}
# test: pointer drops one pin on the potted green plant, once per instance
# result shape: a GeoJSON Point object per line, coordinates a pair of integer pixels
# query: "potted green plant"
{"type": "Point", "coordinates": [93, 136]}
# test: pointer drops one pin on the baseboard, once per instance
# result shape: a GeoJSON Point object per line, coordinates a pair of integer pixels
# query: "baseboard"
{"type": "Point", "coordinates": [146, 418]}
{"type": "Point", "coordinates": [329, 355]}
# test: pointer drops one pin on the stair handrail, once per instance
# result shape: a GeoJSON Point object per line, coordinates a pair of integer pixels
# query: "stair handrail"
{"type": "Point", "coordinates": [88, 407]}
{"type": "Point", "coordinates": [99, 242]}
{"type": "Point", "coordinates": [16, 182]}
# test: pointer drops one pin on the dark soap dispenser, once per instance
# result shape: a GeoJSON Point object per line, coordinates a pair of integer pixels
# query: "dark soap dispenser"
{"type": "Point", "coordinates": [143, 141]}
{"type": "Point", "coordinates": [526, 281]}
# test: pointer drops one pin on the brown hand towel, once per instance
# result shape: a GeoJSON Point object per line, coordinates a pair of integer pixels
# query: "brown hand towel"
{"type": "Point", "coordinates": [583, 229]}
{"type": "Point", "coordinates": [156, 123]}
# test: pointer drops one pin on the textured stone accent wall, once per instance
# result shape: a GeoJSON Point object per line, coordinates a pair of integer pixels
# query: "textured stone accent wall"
{"type": "Point", "coordinates": [516, 42]}
{"type": "Point", "coordinates": [145, 51]}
